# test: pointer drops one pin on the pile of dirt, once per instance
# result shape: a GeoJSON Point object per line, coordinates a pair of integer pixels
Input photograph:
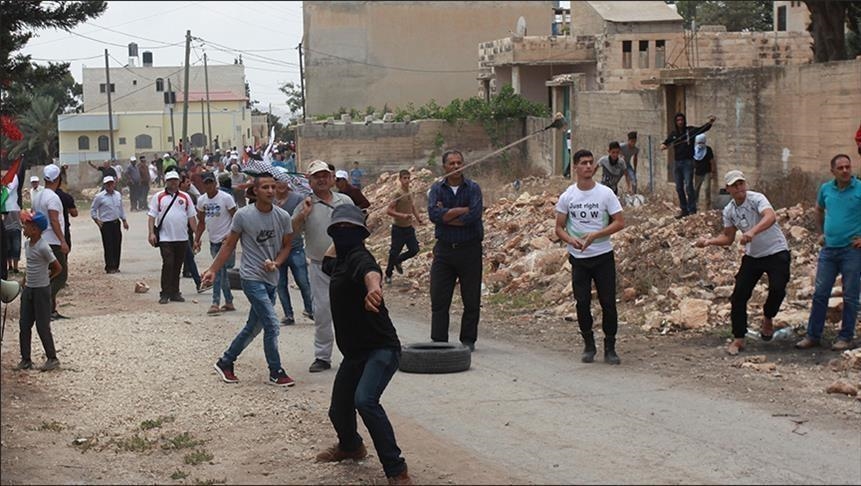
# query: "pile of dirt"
{"type": "Point", "coordinates": [665, 283]}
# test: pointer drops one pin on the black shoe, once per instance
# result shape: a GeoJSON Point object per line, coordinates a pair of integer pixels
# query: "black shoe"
{"type": "Point", "coordinates": [399, 268]}
{"type": "Point", "coordinates": [589, 350]}
{"type": "Point", "coordinates": [388, 279]}
{"type": "Point", "coordinates": [469, 345]}
{"type": "Point", "coordinates": [56, 315]}
{"type": "Point", "coordinates": [288, 321]}
{"type": "Point", "coordinates": [610, 356]}
{"type": "Point", "coordinates": [177, 298]}
{"type": "Point", "coordinates": [319, 365]}
{"type": "Point", "coordinates": [309, 315]}
{"type": "Point", "coordinates": [24, 365]}
{"type": "Point", "coordinates": [163, 300]}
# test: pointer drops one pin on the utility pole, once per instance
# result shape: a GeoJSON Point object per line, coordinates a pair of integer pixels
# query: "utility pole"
{"type": "Point", "coordinates": [302, 81]}
{"type": "Point", "coordinates": [208, 112]}
{"type": "Point", "coordinates": [170, 101]}
{"type": "Point", "coordinates": [203, 125]}
{"type": "Point", "coordinates": [185, 89]}
{"type": "Point", "coordinates": [110, 109]}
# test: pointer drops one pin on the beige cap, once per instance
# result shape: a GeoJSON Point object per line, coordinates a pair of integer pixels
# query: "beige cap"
{"type": "Point", "coordinates": [733, 176]}
{"type": "Point", "coordinates": [317, 166]}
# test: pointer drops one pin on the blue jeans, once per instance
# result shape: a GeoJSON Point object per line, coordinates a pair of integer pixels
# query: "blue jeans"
{"type": "Point", "coordinates": [684, 178]}
{"type": "Point", "coordinates": [359, 384]}
{"type": "Point", "coordinates": [847, 262]}
{"type": "Point", "coordinates": [261, 296]}
{"type": "Point", "coordinates": [221, 283]}
{"type": "Point", "coordinates": [299, 266]}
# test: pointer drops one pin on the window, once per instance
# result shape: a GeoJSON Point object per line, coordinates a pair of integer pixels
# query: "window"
{"type": "Point", "coordinates": [644, 55]}
{"type": "Point", "coordinates": [83, 142]}
{"type": "Point", "coordinates": [660, 53]}
{"type": "Point", "coordinates": [143, 141]}
{"type": "Point", "coordinates": [159, 85]}
{"type": "Point", "coordinates": [626, 54]}
{"type": "Point", "coordinates": [103, 144]}
{"type": "Point", "coordinates": [134, 82]}
{"type": "Point", "coordinates": [122, 141]}
{"type": "Point", "coordinates": [781, 18]}
{"type": "Point", "coordinates": [102, 88]}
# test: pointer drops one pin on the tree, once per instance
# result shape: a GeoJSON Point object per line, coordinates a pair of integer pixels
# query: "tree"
{"type": "Point", "coordinates": [18, 24]}
{"type": "Point", "coordinates": [39, 126]}
{"type": "Point", "coordinates": [734, 15]}
{"type": "Point", "coordinates": [827, 21]}
{"type": "Point", "coordinates": [295, 99]}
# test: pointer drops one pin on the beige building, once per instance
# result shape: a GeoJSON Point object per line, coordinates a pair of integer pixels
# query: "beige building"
{"type": "Point", "coordinates": [142, 121]}
{"type": "Point", "coordinates": [360, 54]}
{"type": "Point", "coordinates": [791, 16]}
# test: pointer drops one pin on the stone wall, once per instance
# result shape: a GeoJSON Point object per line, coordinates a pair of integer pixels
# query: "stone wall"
{"type": "Point", "coordinates": [383, 147]}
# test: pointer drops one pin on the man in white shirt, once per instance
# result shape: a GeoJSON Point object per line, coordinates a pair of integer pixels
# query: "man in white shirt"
{"type": "Point", "coordinates": [48, 202]}
{"type": "Point", "coordinates": [215, 210]}
{"type": "Point", "coordinates": [171, 211]}
{"type": "Point", "coordinates": [586, 215]}
{"type": "Point", "coordinates": [107, 212]}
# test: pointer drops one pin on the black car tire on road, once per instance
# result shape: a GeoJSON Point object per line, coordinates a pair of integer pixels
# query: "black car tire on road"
{"type": "Point", "coordinates": [435, 357]}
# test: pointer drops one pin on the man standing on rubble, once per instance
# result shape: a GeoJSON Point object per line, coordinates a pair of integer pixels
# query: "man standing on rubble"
{"type": "Point", "coordinates": [838, 215]}
{"type": "Point", "coordinates": [586, 215]}
{"type": "Point", "coordinates": [765, 251]}
{"type": "Point", "coordinates": [455, 207]}
{"type": "Point", "coordinates": [682, 141]}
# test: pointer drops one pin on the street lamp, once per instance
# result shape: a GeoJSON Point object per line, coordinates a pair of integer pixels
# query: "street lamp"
{"type": "Point", "coordinates": [160, 139]}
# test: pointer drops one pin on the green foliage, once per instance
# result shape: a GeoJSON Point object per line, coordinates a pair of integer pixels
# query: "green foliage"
{"type": "Point", "coordinates": [134, 443]}
{"type": "Point", "coordinates": [153, 424]}
{"type": "Point", "coordinates": [199, 456]}
{"type": "Point", "coordinates": [295, 98]}
{"type": "Point", "coordinates": [177, 475]}
{"type": "Point", "coordinates": [52, 426]}
{"type": "Point", "coordinates": [739, 15]}
{"type": "Point", "coordinates": [39, 126]}
{"type": "Point", "coordinates": [181, 441]}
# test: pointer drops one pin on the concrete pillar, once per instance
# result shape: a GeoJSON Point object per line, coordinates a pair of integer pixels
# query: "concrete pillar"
{"type": "Point", "coordinates": [515, 78]}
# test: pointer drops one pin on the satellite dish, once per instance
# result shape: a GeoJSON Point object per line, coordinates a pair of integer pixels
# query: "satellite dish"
{"type": "Point", "coordinates": [520, 28]}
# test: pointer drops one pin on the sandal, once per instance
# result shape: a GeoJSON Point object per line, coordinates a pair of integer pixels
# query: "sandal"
{"type": "Point", "coordinates": [227, 308]}
{"type": "Point", "coordinates": [734, 347]}
{"type": "Point", "coordinates": [214, 309]}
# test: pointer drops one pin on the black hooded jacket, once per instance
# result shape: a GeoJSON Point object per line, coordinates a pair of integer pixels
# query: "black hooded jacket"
{"type": "Point", "coordinates": [682, 140]}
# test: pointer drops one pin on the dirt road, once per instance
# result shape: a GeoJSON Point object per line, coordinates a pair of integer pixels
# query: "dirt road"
{"type": "Point", "coordinates": [137, 401]}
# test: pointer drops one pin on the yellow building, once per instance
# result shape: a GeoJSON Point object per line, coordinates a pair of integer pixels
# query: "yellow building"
{"type": "Point", "coordinates": [142, 120]}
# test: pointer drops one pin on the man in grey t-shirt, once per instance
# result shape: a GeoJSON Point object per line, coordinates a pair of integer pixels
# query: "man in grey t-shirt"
{"type": "Point", "coordinates": [630, 152]}
{"type": "Point", "coordinates": [765, 251]}
{"type": "Point", "coordinates": [266, 232]}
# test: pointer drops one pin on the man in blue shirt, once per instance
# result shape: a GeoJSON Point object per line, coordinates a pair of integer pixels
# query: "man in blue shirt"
{"type": "Point", "coordinates": [356, 175]}
{"type": "Point", "coordinates": [455, 207]}
{"type": "Point", "coordinates": [838, 214]}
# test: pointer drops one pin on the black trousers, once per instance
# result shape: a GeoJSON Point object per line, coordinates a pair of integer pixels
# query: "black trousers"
{"type": "Point", "coordinates": [453, 263]}
{"type": "Point", "coordinates": [112, 241]}
{"type": "Point", "coordinates": [402, 236]}
{"type": "Point", "coordinates": [36, 308]}
{"type": "Point", "coordinates": [172, 256]}
{"type": "Point", "coordinates": [602, 270]}
{"type": "Point", "coordinates": [60, 280]}
{"type": "Point", "coordinates": [776, 266]}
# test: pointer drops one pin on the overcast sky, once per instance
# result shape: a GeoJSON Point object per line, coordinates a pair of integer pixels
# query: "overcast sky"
{"type": "Point", "coordinates": [265, 33]}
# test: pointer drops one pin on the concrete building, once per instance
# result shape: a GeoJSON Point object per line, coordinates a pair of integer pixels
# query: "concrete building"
{"type": "Point", "coordinates": [360, 54]}
{"type": "Point", "coordinates": [142, 121]}
{"type": "Point", "coordinates": [791, 16]}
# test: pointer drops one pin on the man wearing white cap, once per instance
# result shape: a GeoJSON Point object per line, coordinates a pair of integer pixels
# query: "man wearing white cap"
{"type": "Point", "coordinates": [171, 211]}
{"type": "Point", "coordinates": [133, 178]}
{"type": "Point", "coordinates": [35, 188]}
{"type": "Point", "coordinates": [313, 217]}
{"type": "Point", "coordinates": [353, 192]}
{"type": "Point", "coordinates": [49, 203]}
{"type": "Point", "coordinates": [107, 212]}
{"type": "Point", "coordinates": [765, 251]}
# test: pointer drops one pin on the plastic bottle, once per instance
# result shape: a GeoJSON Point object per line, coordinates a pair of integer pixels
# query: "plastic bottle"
{"type": "Point", "coordinates": [784, 334]}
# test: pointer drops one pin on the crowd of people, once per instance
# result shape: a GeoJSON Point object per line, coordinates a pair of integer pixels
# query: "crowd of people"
{"type": "Point", "coordinates": [312, 225]}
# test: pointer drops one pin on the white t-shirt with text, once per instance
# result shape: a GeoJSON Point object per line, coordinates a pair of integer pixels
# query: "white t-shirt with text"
{"type": "Point", "coordinates": [748, 214]}
{"type": "Point", "coordinates": [217, 214]}
{"type": "Point", "coordinates": [588, 211]}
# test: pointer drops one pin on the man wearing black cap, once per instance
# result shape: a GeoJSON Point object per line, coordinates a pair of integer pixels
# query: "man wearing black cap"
{"type": "Point", "coordinates": [367, 339]}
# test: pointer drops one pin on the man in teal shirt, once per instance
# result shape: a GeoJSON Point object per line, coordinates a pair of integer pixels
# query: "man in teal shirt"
{"type": "Point", "coordinates": [838, 214]}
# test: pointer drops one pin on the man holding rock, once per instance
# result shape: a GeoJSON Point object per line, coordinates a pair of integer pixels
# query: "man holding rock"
{"type": "Point", "coordinates": [586, 215]}
{"type": "Point", "coordinates": [765, 251]}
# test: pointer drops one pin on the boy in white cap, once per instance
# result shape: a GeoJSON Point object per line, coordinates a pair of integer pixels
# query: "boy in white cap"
{"type": "Point", "coordinates": [765, 251]}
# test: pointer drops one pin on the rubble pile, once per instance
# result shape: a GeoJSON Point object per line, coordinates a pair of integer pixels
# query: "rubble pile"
{"type": "Point", "coordinates": [665, 282]}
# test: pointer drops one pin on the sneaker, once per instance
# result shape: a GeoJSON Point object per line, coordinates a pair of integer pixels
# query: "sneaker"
{"type": "Point", "coordinates": [24, 365]}
{"type": "Point", "coordinates": [388, 279]}
{"type": "Point", "coordinates": [226, 372]}
{"type": "Point", "coordinates": [280, 378]}
{"type": "Point", "coordinates": [163, 300]}
{"type": "Point", "coordinates": [308, 314]}
{"type": "Point", "coordinates": [177, 298]}
{"type": "Point", "coordinates": [51, 364]}
{"type": "Point", "coordinates": [806, 343]}
{"type": "Point", "coordinates": [336, 454]}
{"type": "Point", "coordinates": [319, 365]}
{"type": "Point", "coordinates": [288, 321]}
{"type": "Point", "coordinates": [841, 345]}
{"type": "Point", "coordinates": [399, 268]}
{"type": "Point", "coordinates": [402, 479]}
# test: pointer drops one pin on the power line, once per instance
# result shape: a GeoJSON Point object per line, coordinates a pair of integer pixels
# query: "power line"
{"type": "Point", "coordinates": [229, 50]}
{"type": "Point", "coordinates": [67, 60]}
{"type": "Point", "coordinates": [118, 45]}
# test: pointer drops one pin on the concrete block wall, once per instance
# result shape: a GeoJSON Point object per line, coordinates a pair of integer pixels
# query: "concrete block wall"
{"type": "Point", "coordinates": [751, 49]}
{"type": "Point", "coordinates": [381, 147]}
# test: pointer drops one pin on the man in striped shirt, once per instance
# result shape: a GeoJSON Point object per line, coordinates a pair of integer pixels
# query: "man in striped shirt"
{"type": "Point", "coordinates": [107, 212]}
